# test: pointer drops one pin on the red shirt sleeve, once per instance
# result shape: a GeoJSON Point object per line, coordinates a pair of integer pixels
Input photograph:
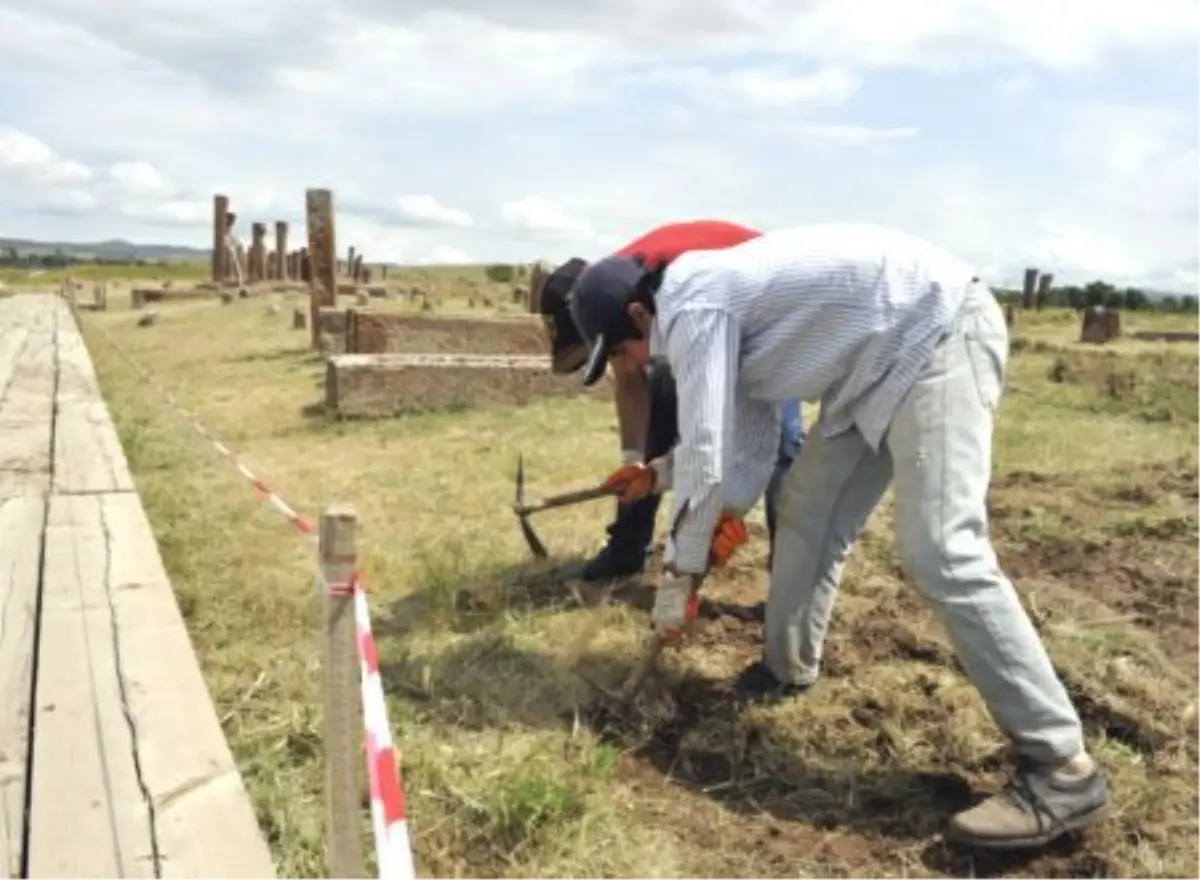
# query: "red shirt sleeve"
{"type": "Point", "coordinates": [664, 244]}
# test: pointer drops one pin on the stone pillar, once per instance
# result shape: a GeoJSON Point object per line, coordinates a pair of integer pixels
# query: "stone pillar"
{"type": "Point", "coordinates": [258, 251]}
{"type": "Point", "coordinates": [1027, 292]}
{"type": "Point", "coordinates": [357, 269]}
{"type": "Point", "coordinates": [233, 265]}
{"type": "Point", "coordinates": [281, 231]}
{"type": "Point", "coordinates": [350, 262]}
{"type": "Point", "coordinates": [219, 256]}
{"type": "Point", "coordinates": [322, 251]}
{"type": "Point", "coordinates": [1043, 290]}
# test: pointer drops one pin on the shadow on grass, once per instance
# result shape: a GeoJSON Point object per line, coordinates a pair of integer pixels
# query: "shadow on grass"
{"type": "Point", "coordinates": [691, 732]}
{"type": "Point", "coordinates": [468, 601]}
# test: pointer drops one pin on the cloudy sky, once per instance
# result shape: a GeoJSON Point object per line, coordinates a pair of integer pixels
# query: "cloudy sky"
{"type": "Point", "coordinates": [1061, 133]}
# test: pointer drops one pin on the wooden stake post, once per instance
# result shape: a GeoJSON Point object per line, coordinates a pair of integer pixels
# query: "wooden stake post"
{"type": "Point", "coordinates": [318, 209]}
{"type": "Point", "coordinates": [343, 715]}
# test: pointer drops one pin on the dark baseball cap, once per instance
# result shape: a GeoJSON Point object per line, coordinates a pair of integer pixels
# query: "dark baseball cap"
{"type": "Point", "coordinates": [598, 302]}
{"type": "Point", "coordinates": [567, 350]}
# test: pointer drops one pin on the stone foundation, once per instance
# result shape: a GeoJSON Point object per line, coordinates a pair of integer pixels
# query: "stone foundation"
{"type": "Point", "coordinates": [384, 385]}
{"type": "Point", "coordinates": [383, 332]}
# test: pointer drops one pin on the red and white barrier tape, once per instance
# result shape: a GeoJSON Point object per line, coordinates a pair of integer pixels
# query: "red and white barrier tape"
{"type": "Point", "coordinates": [393, 848]}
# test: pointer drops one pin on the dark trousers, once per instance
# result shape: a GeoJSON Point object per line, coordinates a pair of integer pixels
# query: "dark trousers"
{"type": "Point", "coordinates": [632, 531]}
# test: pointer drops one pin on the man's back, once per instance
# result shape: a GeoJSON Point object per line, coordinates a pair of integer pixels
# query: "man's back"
{"type": "Point", "coordinates": [824, 311]}
{"type": "Point", "coordinates": [667, 243]}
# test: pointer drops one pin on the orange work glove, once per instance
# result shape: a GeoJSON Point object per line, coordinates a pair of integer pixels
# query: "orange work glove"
{"type": "Point", "coordinates": [632, 482]}
{"type": "Point", "coordinates": [676, 606]}
{"type": "Point", "coordinates": [729, 534]}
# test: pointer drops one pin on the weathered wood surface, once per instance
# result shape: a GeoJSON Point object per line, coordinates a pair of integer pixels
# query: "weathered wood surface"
{"type": "Point", "coordinates": [26, 404]}
{"type": "Point", "coordinates": [131, 773]}
{"type": "Point", "coordinates": [21, 521]}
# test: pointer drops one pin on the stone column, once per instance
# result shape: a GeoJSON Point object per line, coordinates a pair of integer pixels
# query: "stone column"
{"type": "Point", "coordinates": [281, 235]}
{"type": "Point", "coordinates": [220, 266]}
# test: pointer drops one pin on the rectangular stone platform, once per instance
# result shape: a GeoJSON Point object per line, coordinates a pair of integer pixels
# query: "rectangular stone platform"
{"type": "Point", "coordinates": [382, 385]}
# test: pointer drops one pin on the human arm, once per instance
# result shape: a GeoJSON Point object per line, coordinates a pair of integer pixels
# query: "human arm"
{"type": "Point", "coordinates": [702, 347]}
{"type": "Point", "coordinates": [631, 396]}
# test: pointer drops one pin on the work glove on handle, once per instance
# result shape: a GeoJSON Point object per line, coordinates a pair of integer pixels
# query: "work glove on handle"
{"type": "Point", "coordinates": [729, 534]}
{"type": "Point", "coordinates": [634, 480]}
{"type": "Point", "coordinates": [676, 605]}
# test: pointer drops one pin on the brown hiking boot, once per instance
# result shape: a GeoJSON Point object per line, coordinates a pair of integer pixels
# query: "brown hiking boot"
{"type": "Point", "coordinates": [1036, 807]}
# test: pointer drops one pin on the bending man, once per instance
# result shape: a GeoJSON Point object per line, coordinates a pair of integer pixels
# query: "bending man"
{"type": "Point", "coordinates": [906, 349]}
{"type": "Point", "coordinates": [644, 394]}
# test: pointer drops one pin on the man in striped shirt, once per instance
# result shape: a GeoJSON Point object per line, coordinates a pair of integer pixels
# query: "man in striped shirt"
{"type": "Point", "coordinates": [645, 394]}
{"type": "Point", "coordinates": [905, 348]}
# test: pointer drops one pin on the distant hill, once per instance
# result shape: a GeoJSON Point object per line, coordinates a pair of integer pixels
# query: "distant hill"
{"type": "Point", "coordinates": [113, 249]}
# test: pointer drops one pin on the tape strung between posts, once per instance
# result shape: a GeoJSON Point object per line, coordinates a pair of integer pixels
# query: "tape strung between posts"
{"type": "Point", "coordinates": [393, 846]}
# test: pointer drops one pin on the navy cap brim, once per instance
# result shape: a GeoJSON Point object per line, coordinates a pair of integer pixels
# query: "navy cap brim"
{"type": "Point", "coordinates": [597, 361]}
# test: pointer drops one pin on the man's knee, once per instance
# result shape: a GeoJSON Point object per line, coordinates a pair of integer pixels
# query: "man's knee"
{"type": "Point", "coordinates": [946, 564]}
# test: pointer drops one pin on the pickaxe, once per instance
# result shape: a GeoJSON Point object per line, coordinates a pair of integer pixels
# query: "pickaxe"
{"type": "Point", "coordinates": [651, 651]}
{"type": "Point", "coordinates": [565, 499]}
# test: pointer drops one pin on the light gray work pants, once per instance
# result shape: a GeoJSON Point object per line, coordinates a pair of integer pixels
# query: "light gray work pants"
{"type": "Point", "coordinates": [938, 450]}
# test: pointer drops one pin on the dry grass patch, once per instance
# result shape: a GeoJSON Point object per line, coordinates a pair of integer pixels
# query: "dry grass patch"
{"type": "Point", "coordinates": [508, 769]}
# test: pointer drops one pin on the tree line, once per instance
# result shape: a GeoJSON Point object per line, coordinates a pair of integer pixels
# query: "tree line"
{"type": "Point", "coordinates": [60, 259]}
{"type": "Point", "coordinates": [1101, 293]}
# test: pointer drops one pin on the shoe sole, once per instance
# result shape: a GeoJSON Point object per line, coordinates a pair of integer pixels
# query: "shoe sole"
{"type": "Point", "coordinates": [1073, 823]}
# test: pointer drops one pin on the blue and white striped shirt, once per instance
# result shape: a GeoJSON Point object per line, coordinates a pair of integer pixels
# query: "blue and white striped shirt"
{"type": "Point", "coordinates": [845, 314]}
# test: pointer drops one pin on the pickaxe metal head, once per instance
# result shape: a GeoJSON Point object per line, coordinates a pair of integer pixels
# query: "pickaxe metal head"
{"type": "Point", "coordinates": [536, 547]}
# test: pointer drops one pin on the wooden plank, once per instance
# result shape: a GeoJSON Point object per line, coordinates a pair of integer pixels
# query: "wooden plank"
{"type": "Point", "coordinates": [131, 771]}
{"type": "Point", "coordinates": [76, 376]}
{"type": "Point", "coordinates": [20, 550]}
{"type": "Point", "coordinates": [24, 458]}
{"type": "Point", "coordinates": [87, 814]}
{"type": "Point", "coordinates": [12, 343]}
{"type": "Point", "coordinates": [205, 823]}
{"type": "Point", "coordinates": [87, 452]}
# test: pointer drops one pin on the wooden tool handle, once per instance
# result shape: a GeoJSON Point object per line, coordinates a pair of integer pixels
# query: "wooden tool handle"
{"type": "Point", "coordinates": [567, 498]}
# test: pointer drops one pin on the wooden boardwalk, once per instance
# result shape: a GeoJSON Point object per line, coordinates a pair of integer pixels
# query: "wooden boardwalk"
{"type": "Point", "coordinates": [112, 761]}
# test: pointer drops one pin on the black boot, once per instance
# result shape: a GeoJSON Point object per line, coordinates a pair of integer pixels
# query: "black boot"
{"type": "Point", "coordinates": [629, 542]}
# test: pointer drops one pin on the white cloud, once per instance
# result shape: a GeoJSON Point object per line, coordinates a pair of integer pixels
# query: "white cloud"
{"type": "Point", "coordinates": [1012, 86]}
{"type": "Point", "coordinates": [777, 87]}
{"type": "Point", "coordinates": [538, 217]}
{"type": "Point", "coordinates": [426, 210]}
{"type": "Point", "coordinates": [851, 135]}
{"type": "Point", "coordinates": [175, 212]}
{"type": "Point", "coordinates": [33, 160]}
{"type": "Point", "coordinates": [983, 135]}
{"type": "Point", "coordinates": [140, 178]}
{"type": "Point", "coordinates": [442, 255]}
{"type": "Point", "coordinates": [773, 85]}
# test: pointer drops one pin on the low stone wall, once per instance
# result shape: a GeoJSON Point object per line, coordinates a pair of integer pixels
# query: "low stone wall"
{"type": "Point", "coordinates": [331, 330]}
{"type": "Point", "coordinates": [384, 385]}
{"type": "Point", "coordinates": [372, 331]}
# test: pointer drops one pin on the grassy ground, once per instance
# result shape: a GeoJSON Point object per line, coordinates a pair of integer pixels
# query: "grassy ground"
{"type": "Point", "coordinates": [1094, 508]}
